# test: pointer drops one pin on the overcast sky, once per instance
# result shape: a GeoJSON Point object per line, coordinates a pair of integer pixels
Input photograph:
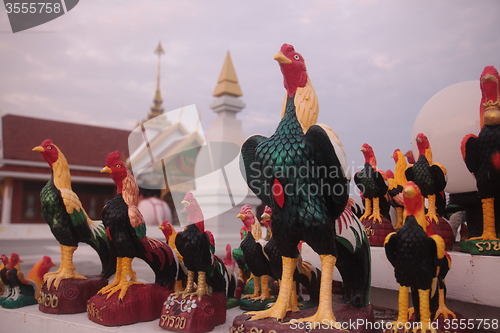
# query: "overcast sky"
{"type": "Point", "coordinates": [374, 64]}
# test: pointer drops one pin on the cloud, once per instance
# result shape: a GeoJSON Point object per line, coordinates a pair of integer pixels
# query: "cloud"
{"type": "Point", "coordinates": [384, 62]}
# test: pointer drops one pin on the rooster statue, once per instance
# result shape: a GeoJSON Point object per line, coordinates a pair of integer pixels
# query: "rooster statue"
{"type": "Point", "coordinates": [482, 153]}
{"type": "Point", "coordinates": [4, 282]}
{"type": "Point", "coordinates": [197, 248]}
{"type": "Point", "coordinates": [373, 186]}
{"type": "Point", "coordinates": [297, 214]}
{"type": "Point", "coordinates": [170, 234]}
{"type": "Point", "coordinates": [253, 251]}
{"type": "Point", "coordinates": [420, 263]}
{"type": "Point", "coordinates": [430, 178]}
{"type": "Point", "coordinates": [127, 233]}
{"type": "Point", "coordinates": [396, 185]}
{"type": "Point", "coordinates": [266, 222]}
{"type": "Point", "coordinates": [354, 261]}
{"type": "Point", "coordinates": [21, 291]}
{"type": "Point", "coordinates": [409, 157]}
{"type": "Point", "coordinates": [68, 221]}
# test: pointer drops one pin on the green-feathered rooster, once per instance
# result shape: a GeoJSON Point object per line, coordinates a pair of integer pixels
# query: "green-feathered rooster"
{"type": "Point", "coordinates": [304, 207]}
{"type": "Point", "coordinates": [68, 221]}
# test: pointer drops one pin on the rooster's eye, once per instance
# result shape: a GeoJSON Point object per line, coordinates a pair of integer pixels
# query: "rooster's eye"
{"type": "Point", "coordinates": [296, 57]}
{"type": "Point", "coordinates": [118, 166]}
{"type": "Point", "coordinates": [49, 147]}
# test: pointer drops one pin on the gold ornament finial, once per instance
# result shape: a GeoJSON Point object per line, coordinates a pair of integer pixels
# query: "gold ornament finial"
{"type": "Point", "coordinates": [157, 109]}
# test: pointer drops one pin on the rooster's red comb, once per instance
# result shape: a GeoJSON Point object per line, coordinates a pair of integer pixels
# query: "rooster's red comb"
{"type": "Point", "coordinates": [285, 48]}
{"type": "Point", "coordinates": [246, 208]}
{"type": "Point", "coordinates": [47, 142]}
{"type": "Point", "coordinates": [113, 157]}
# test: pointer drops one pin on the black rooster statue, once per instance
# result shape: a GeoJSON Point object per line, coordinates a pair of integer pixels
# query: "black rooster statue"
{"type": "Point", "coordinates": [482, 156]}
{"type": "Point", "coordinates": [373, 186]}
{"type": "Point", "coordinates": [197, 248]}
{"type": "Point", "coordinates": [299, 213]}
{"type": "Point", "coordinates": [420, 264]}
{"type": "Point", "coordinates": [127, 232]}
{"type": "Point", "coordinates": [430, 178]}
{"type": "Point", "coordinates": [123, 301]}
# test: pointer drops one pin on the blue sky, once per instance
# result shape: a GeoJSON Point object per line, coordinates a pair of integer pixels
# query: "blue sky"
{"type": "Point", "coordinates": [374, 64]}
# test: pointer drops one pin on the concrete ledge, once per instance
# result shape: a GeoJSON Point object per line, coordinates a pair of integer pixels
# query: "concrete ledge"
{"type": "Point", "coordinates": [25, 231]}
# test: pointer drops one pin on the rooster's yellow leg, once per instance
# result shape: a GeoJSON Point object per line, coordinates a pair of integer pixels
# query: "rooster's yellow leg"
{"type": "Point", "coordinates": [431, 213]}
{"type": "Point", "coordinates": [189, 285]}
{"type": "Point", "coordinates": [402, 309]}
{"type": "Point", "coordinates": [425, 312]}
{"type": "Point", "coordinates": [489, 232]}
{"type": "Point", "coordinates": [293, 302]}
{"type": "Point", "coordinates": [127, 279]}
{"type": "Point", "coordinates": [241, 276]}
{"type": "Point", "coordinates": [376, 217]}
{"type": "Point", "coordinates": [66, 269]}
{"type": "Point", "coordinates": [279, 308]}
{"type": "Point", "coordinates": [178, 287]}
{"type": "Point", "coordinates": [265, 290]}
{"type": "Point", "coordinates": [256, 288]}
{"type": "Point", "coordinates": [325, 309]}
{"type": "Point", "coordinates": [443, 309]}
{"type": "Point", "coordinates": [368, 210]}
{"type": "Point", "coordinates": [202, 288]}
{"type": "Point", "coordinates": [116, 281]}
{"type": "Point", "coordinates": [399, 214]}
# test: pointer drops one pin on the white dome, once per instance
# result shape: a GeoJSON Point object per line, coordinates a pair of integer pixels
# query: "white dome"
{"type": "Point", "coordinates": [445, 119]}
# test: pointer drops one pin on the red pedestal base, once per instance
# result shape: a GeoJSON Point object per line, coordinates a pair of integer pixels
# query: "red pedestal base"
{"type": "Point", "coordinates": [141, 303]}
{"type": "Point", "coordinates": [377, 231]}
{"type": "Point", "coordinates": [193, 315]}
{"type": "Point", "coordinates": [71, 297]}
{"type": "Point", "coordinates": [443, 229]}
{"type": "Point", "coordinates": [351, 319]}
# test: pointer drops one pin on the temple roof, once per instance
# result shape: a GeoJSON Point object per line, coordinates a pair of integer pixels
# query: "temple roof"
{"type": "Point", "coordinates": [228, 81]}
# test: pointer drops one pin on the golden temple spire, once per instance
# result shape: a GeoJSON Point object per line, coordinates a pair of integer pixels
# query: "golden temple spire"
{"type": "Point", "coordinates": [228, 81]}
{"type": "Point", "coordinates": [157, 109]}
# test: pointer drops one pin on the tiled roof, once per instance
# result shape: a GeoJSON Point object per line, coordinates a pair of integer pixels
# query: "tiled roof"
{"type": "Point", "coordinates": [81, 144]}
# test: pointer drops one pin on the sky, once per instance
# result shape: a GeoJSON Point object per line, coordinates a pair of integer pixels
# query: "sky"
{"type": "Point", "coordinates": [374, 64]}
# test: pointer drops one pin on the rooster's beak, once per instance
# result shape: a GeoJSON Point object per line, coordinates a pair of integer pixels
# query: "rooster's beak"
{"type": "Point", "coordinates": [38, 148]}
{"type": "Point", "coordinates": [105, 170]}
{"type": "Point", "coordinates": [419, 140]}
{"type": "Point", "coordinates": [280, 57]}
{"type": "Point", "coordinates": [265, 216]}
{"type": "Point", "coordinates": [185, 203]}
{"type": "Point", "coordinates": [241, 216]}
{"type": "Point", "coordinates": [410, 191]}
{"type": "Point", "coordinates": [161, 227]}
{"type": "Point", "coordinates": [363, 149]}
